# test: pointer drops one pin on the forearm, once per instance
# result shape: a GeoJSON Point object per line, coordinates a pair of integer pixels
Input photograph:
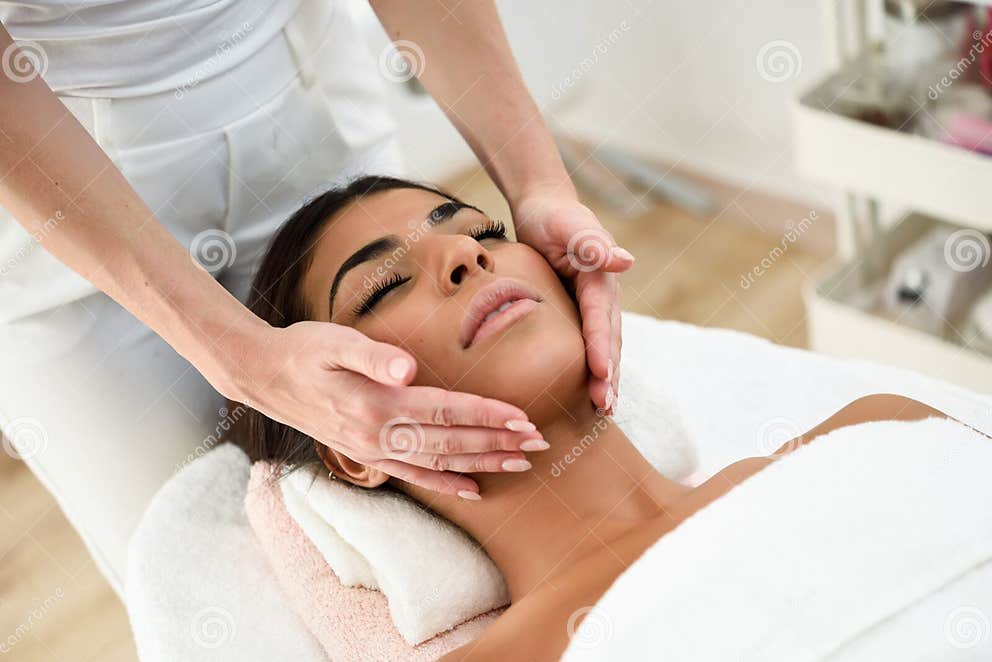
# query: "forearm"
{"type": "Point", "coordinates": [469, 69]}
{"type": "Point", "coordinates": [58, 183]}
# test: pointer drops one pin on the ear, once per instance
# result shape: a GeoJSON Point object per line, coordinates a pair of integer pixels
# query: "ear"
{"type": "Point", "coordinates": [343, 467]}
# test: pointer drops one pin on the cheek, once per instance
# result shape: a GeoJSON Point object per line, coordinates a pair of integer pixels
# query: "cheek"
{"type": "Point", "coordinates": [531, 267]}
{"type": "Point", "coordinates": [405, 327]}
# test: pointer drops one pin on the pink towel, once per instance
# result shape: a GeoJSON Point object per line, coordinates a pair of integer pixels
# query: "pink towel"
{"type": "Point", "coordinates": [350, 623]}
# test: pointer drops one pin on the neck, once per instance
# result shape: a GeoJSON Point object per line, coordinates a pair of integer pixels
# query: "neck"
{"type": "Point", "coordinates": [589, 488]}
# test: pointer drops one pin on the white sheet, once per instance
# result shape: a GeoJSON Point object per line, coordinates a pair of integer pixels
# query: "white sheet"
{"type": "Point", "coordinates": [734, 394]}
{"type": "Point", "coordinates": [807, 558]}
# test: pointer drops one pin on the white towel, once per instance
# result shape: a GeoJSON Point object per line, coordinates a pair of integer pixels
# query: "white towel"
{"type": "Point", "coordinates": [351, 567]}
{"type": "Point", "coordinates": [433, 574]}
{"type": "Point", "coordinates": [199, 588]}
{"type": "Point", "coordinates": [811, 554]}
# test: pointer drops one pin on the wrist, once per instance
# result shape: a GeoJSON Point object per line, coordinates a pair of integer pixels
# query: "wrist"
{"type": "Point", "coordinates": [548, 188]}
{"type": "Point", "coordinates": [237, 347]}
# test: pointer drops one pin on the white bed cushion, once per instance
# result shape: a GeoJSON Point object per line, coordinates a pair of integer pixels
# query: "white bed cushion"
{"type": "Point", "coordinates": [198, 588]}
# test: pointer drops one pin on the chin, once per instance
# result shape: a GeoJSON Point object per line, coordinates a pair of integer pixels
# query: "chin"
{"type": "Point", "coordinates": [536, 366]}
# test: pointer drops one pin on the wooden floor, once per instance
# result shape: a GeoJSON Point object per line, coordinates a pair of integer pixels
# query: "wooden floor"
{"type": "Point", "coordinates": [54, 604]}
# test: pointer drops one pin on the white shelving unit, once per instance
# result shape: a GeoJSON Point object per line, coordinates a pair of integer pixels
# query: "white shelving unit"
{"type": "Point", "coordinates": [872, 166]}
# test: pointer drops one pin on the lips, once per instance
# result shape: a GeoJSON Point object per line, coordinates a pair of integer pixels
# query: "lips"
{"type": "Point", "coordinates": [495, 307]}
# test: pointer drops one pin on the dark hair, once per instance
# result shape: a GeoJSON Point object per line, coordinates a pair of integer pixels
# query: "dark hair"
{"type": "Point", "coordinates": [275, 297]}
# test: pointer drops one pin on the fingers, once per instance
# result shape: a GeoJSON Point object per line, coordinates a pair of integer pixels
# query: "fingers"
{"type": "Point", "coordinates": [598, 389]}
{"type": "Point", "coordinates": [436, 406]}
{"type": "Point", "coordinates": [599, 296]}
{"type": "Point", "coordinates": [379, 361]}
{"type": "Point", "coordinates": [471, 462]}
{"type": "Point", "coordinates": [457, 439]}
{"type": "Point", "coordinates": [441, 482]}
{"type": "Point", "coordinates": [594, 292]}
{"type": "Point", "coordinates": [614, 366]}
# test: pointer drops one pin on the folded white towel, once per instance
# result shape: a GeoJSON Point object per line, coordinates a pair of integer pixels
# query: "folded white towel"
{"type": "Point", "coordinates": [817, 556]}
{"type": "Point", "coordinates": [384, 540]}
{"type": "Point", "coordinates": [351, 567]}
{"type": "Point", "coordinates": [433, 574]}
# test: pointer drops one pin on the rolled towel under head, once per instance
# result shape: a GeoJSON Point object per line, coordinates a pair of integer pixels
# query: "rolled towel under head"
{"type": "Point", "coordinates": [433, 574]}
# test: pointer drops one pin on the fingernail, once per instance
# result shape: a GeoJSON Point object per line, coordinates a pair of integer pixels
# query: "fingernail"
{"type": "Point", "coordinates": [398, 368]}
{"type": "Point", "coordinates": [623, 253]}
{"type": "Point", "coordinates": [516, 465]}
{"type": "Point", "coordinates": [535, 445]}
{"type": "Point", "coordinates": [469, 495]}
{"type": "Point", "coordinates": [519, 425]}
{"type": "Point", "coordinates": [610, 399]}
{"type": "Point", "coordinates": [609, 371]}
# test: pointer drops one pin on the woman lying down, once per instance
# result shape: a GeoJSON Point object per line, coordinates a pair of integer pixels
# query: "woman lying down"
{"type": "Point", "coordinates": [486, 315]}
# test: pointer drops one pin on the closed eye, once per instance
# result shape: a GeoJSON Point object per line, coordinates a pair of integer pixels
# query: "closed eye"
{"type": "Point", "coordinates": [489, 230]}
{"type": "Point", "coordinates": [377, 292]}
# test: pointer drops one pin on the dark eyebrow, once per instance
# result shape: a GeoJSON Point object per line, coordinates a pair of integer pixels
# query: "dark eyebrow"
{"type": "Point", "coordinates": [446, 210]}
{"type": "Point", "coordinates": [370, 251]}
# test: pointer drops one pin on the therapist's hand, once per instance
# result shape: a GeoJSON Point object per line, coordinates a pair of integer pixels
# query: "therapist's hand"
{"type": "Point", "coordinates": [352, 394]}
{"type": "Point", "coordinates": [572, 239]}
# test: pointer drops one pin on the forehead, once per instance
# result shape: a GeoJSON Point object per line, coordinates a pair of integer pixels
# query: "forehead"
{"type": "Point", "coordinates": [396, 211]}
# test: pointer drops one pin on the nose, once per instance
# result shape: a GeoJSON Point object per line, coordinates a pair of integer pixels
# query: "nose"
{"type": "Point", "coordinates": [464, 256]}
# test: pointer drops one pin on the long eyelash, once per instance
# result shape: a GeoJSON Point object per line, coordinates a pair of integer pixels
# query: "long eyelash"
{"type": "Point", "coordinates": [377, 292]}
{"type": "Point", "coordinates": [492, 229]}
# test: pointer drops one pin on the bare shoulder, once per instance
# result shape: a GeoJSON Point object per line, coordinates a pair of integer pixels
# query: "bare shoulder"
{"type": "Point", "coordinates": [866, 409]}
{"type": "Point", "coordinates": [526, 631]}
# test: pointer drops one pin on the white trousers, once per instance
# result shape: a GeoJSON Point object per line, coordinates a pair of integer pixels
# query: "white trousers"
{"type": "Point", "coordinates": [102, 409]}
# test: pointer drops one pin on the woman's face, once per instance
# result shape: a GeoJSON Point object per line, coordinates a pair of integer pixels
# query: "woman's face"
{"type": "Point", "coordinates": [481, 313]}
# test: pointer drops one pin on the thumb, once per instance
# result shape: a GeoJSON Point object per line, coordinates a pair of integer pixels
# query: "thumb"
{"type": "Point", "coordinates": [379, 361]}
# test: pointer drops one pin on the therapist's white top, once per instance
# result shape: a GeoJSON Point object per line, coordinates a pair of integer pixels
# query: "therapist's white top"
{"type": "Point", "coordinates": [124, 48]}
